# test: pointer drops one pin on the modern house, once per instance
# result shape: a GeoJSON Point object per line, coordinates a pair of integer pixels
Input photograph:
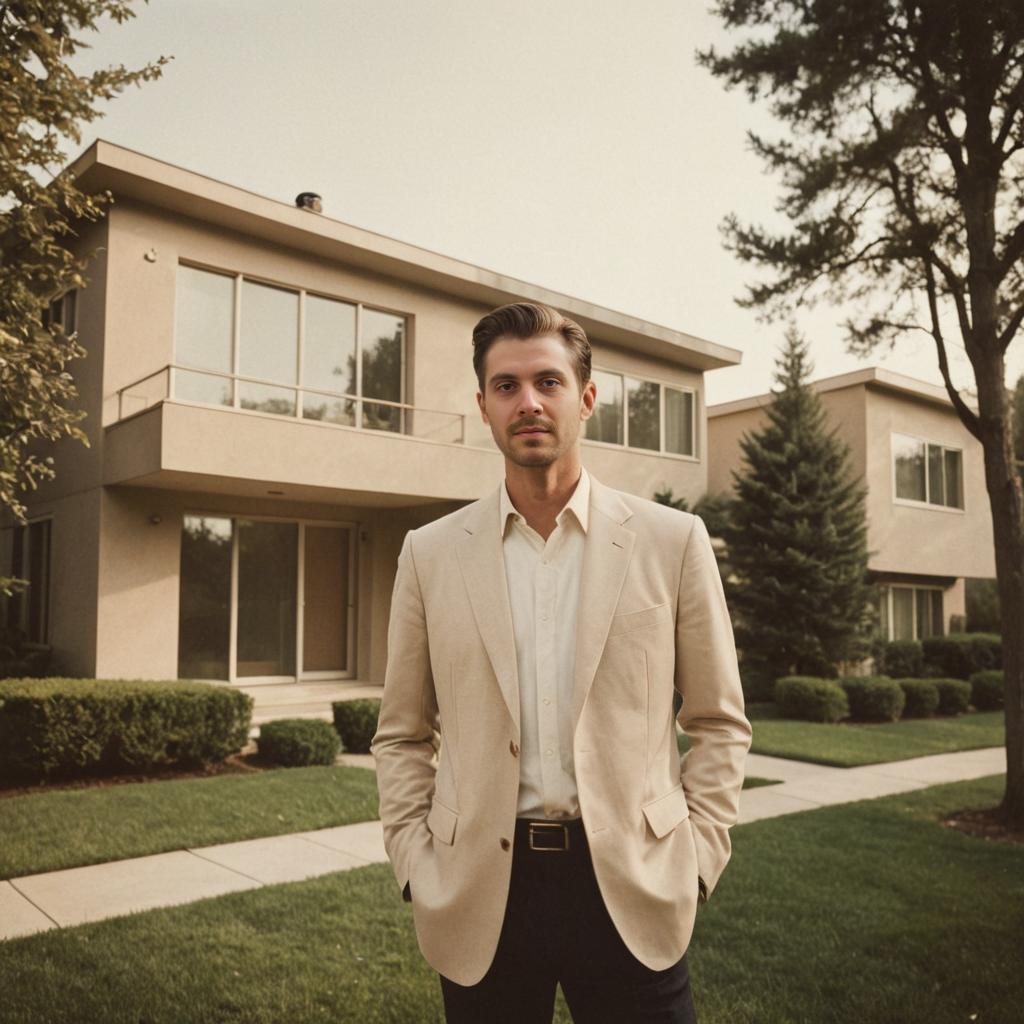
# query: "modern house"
{"type": "Point", "coordinates": [929, 526]}
{"type": "Point", "coordinates": [274, 398]}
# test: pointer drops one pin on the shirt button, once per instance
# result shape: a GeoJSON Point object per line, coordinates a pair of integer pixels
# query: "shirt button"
{"type": "Point", "coordinates": [505, 844]}
{"type": "Point", "coordinates": [549, 752]}
{"type": "Point", "coordinates": [514, 747]}
{"type": "Point", "coordinates": [546, 701]}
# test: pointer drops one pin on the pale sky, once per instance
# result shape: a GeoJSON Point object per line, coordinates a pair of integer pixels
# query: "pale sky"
{"type": "Point", "coordinates": [574, 144]}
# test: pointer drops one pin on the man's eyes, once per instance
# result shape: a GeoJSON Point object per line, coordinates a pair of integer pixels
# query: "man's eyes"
{"type": "Point", "coordinates": [550, 382]}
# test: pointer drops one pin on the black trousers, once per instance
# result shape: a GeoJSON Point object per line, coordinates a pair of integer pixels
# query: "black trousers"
{"type": "Point", "coordinates": [557, 930]}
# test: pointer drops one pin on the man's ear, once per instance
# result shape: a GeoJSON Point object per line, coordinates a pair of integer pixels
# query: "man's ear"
{"type": "Point", "coordinates": [480, 404]}
{"type": "Point", "coordinates": [589, 397]}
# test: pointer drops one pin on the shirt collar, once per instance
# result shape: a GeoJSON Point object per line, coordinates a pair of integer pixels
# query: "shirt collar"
{"type": "Point", "coordinates": [578, 504]}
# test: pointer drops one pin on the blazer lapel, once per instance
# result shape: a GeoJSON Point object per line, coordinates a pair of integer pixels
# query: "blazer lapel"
{"type": "Point", "coordinates": [606, 557]}
{"type": "Point", "coordinates": [482, 563]}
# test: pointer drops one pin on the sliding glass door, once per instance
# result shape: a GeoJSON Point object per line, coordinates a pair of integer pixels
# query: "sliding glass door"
{"type": "Point", "coordinates": [240, 615]}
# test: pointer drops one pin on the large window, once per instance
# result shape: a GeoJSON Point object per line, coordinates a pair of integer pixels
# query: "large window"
{"type": "Point", "coordinates": [642, 414]}
{"type": "Point", "coordinates": [256, 346]}
{"type": "Point", "coordinates": [29, 609]}
{"type": "Point", "coordinates": [910, 613]}
{"type": "Point", "coordinates": [929, 473]}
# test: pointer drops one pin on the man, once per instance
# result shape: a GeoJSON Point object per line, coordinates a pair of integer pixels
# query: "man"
{"type": "Point", "coordinates": [538, 636]}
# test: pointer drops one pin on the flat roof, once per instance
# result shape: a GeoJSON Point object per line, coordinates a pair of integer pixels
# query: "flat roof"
{"type": "Point", "coordinates": [872, 376]}
{"type": "Point", "coordinates": [134, 175]}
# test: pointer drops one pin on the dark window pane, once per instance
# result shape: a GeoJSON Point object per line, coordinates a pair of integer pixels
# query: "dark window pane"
{"type": "Point", "coordinates": [204, 615]}
{"type": "Point", "coordinates": [924, 613]}
{"type": "Point", "coordinates": [679, 421]}
{"type": "Point", "coordinates": [643, 399]}
{"type": "Point", "coordinates": [381, 339]}
{"type": "Point", "coordinates": [954, 478]}
{"type": "Point", "coordinates": [902, 613]}
{"type": "Point", "coordinates": [936, 490]}
{"type": "Point", "coordinates": [909, 455]}
{"type": "Point", "coordinates": [938, 619]}
{"type": "Point", "coordinates": [267, 586]}
{"type": "Point", "coordinates": [606, 422]}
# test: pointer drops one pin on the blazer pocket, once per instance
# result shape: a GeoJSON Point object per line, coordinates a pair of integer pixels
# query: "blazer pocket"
{"type": "Point", "coordinates": [441, 821]}
{"type": "Point", "coordinates": [629, 621]}
{"type": "Point", "coordinates": [666, 812]}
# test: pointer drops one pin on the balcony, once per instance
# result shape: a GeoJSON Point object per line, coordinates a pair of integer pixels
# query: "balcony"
{"type": "Point", "coordinates": [249, 437]}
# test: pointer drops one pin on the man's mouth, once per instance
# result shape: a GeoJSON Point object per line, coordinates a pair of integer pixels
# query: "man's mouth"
{"type": "Point", "coordinates": [532, 430]}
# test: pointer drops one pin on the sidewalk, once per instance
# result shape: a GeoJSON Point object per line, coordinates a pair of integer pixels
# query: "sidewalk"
{"type": "Point", "coordinates": [35, 903]}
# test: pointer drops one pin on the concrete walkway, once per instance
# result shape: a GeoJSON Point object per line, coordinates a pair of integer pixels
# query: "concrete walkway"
{"type": "Point", "coordinates": [75, 896]}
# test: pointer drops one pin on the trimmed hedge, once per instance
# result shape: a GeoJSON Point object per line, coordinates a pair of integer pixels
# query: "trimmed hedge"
{"type": "Point", "coordinates": [960, 655]}
{"type": "Point", "coordinates": [954, 696]}
{"type": "Point", "coordinates": [987, 693]}
{"type": "Point", "coordinates": [922, 697]}
{"type": "Point", "coordinates": [356, 722]}
{"type": "Point", "coordinates": [873, 698]}
{"type": "Point", "coordinates": [810, 699]}
{"type": "Point", "coordinates": [904, 658]}
{"type": "Point", "coordinates": [296, 742]}
{"type": "Point", "coordinates": [73, 727]}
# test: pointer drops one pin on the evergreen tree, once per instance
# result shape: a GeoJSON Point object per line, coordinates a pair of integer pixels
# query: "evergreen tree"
{"type": "Point", "coordinates": [797, 537]}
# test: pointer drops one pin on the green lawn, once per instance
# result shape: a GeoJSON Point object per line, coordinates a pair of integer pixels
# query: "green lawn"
{"type": "Point", "coordinates": [868, 912]}
{"type": "Point", "coordinates": [66, 828]}
{"type": "Point", "coordinates": [752, 782]}
{"type": "Point", "coordinates": [848, 744]}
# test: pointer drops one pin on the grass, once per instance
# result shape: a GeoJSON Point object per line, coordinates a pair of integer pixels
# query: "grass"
{"type": "Point", "coordinates": [57, 829]}
{"type": "Point", "coordinates": [752, 782]}
{"type": "Point", "coordinates": [848, 744]}
{"type": "Point", "coordinates": [869, 912]}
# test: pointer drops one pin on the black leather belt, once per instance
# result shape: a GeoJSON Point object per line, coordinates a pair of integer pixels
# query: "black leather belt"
{"type": "Point", "coordinates": [542, 836]}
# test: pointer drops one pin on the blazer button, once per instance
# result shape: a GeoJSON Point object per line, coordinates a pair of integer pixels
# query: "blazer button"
{"type": "Point", "coordinates": [514, 747]}
{"type": "Point", "coordinates": [505, 844]}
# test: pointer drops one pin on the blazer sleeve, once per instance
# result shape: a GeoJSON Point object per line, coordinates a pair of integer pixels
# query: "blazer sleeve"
{"type": "Point", "coordinates": [712, 713]}
{"type": "Point", "coordinates": [407, 737]}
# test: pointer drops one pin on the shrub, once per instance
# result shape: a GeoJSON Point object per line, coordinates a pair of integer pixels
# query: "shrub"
{"type": "Point", "coordinates": [72, 727]}
{"type": "Point", "coordinates": [987, 693]}
{"type": "Point", "coordinates": [922, 697]}
{"type": "Point", "coordinates": [356, 722]}
{"type": "Point", "coordinates": [810, 699]}
{"type": "Point", "coordinates": [756, 685]}
{"type": "Point", "coordinates": [903, 658]}
{"type": "Point", "coordinates": [294, 742]}
{"type": "Point", "coordinates": [954, 696]}
{"type": "Point", "coordinates": [873, 698]}
{"type": "Point", "coordinates": [960, 655]}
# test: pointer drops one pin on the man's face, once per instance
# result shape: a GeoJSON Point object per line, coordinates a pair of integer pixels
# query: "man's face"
{"type": "Point", "coordinates": [532, 400]}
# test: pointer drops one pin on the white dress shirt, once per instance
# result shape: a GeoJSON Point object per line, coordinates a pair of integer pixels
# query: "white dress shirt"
{"type": "Point", "coordinates": [543, 590]}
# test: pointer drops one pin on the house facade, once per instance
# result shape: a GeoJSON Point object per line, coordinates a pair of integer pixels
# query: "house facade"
{"type": "Point", "coordinates": [274, 398]}
{"type": "Point", "coordinates": [929, 526]}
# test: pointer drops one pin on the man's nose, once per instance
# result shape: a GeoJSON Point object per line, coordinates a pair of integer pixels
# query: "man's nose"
{"type": "Point", "coordinates": [529, 400]}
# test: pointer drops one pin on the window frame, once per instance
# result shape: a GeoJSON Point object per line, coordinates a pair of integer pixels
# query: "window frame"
{"type": "Point", "coordinates": [928, 446]}
{"type": "Point", "coordinates": [661, 451]}
{"type": "Point", "coordinates": [887, 589]}
{"type": "Point", "coordinates": [16, 614]}
{"type": "Point", "coordinates": [299, 390]}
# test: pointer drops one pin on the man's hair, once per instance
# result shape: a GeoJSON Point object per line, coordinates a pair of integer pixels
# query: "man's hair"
{"type": "Point", "coordinates": [527, 320]}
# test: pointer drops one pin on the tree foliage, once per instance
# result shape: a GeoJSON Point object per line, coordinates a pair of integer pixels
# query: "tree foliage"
{"type": "Point", "coordinates": [902, 171]}
{"type": "Point", "coordinates": [797, 537]}
{"type": "Point", "coordinates": [45, 102]}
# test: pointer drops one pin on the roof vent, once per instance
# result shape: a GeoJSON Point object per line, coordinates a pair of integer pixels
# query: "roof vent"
{"type": "Point", "coordinates": [309, 201]}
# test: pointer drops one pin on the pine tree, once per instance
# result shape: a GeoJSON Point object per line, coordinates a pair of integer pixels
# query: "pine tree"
{"type": "Point", "coordinates": [797, 537]}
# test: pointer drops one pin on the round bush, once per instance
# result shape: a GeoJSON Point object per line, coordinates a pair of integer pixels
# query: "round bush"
{"type": "Point", "coordinates": [987, 693]}
{"type": "Point", "coordinates": [902, 658]}
{"type": "Point", "coordinates": [294, 742]}
{"type": "Point", "coordinates": [356, 722]}
{"type": "Point", "coordinates": [810, 699]}
{"type": "Point", "coordinates": [959, 655]}
{"type": "Point", "coordinates": [874, 698]}
{"type": "Point", "coordinates": [954, 695]}
{"type": "Point", "coordinates": [922, 697]}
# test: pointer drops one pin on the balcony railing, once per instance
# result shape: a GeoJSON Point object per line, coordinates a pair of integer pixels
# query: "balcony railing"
{"type": "Point", "coordinates": [237, 391]}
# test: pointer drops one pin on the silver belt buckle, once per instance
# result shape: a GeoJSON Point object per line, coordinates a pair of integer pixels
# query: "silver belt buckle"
{"type": "Point", "coordinates": [549, 827]}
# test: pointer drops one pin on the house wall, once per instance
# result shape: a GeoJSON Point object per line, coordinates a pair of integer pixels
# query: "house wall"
{"type": "Point", "coordinates": [924, 539]}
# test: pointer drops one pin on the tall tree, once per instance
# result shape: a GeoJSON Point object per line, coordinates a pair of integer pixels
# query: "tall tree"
{"type": "Point", "coordinates": [903, 185]}
{"type": "Point", "coordinates": [797, 537]}
{"type": "Point", "coordinates": [45, 101]}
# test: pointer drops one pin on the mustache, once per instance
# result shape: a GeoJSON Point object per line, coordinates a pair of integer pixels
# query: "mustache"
{"type": "Point", "coordinates": [532, 424]}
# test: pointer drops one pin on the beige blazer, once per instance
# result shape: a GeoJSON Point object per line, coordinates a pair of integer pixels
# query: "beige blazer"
{"type": "Point", "coordinates": [652, 619]}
